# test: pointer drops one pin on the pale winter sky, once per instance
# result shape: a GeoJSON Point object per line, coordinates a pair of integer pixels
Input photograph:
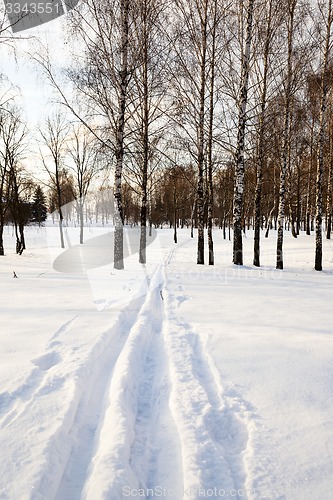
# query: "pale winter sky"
{"type": "Point", "coordinates": [22, 72]}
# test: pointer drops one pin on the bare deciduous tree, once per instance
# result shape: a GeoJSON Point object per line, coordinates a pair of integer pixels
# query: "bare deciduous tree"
{"type": "Point", "coordinates": [54, 136]}
{"type": "Point", "coordinates": [240, 149]}
{"type": "Point", "coordinates": [328, 16]}
{"type": "Point", "coordinates": [83, 153]}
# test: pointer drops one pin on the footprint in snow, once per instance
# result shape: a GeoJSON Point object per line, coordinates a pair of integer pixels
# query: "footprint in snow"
{"type": "Point", "coordinates": [46, 361]}
{"type": "Point", "coordinates": [181, 299]}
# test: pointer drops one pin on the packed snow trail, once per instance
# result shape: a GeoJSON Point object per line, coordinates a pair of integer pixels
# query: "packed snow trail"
{"type": "Point", "coordinates": [213, 426]}
{"type": "Point", "coordinates": [140, 408]}
{"type": "Point", "coordinates": [155, 451]}
{"type": "Point", "coordinates": [131, 442]}
{"type": "Point", "coordinates": [184, 357]}
{"type": "Point", "coordinates": [168, 425]}
{"type": "Point", "coordinates": [66, 388]}
{"type": "Point", "coordinates": [17, 403]}
{"type": "Point", "coordinates": [91, 406]}
{"type": "Point", "coordinates": [159, 421]}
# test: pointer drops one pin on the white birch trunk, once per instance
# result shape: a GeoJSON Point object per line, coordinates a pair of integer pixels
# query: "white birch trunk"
{"type": "Point", "coordinates": [240, 151]}
{"type": "Point", "coordinates": [321, 143]}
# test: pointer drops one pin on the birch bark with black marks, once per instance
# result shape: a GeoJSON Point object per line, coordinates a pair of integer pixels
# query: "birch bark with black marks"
{"type": "Point", "coordinates": [261, 137]}
{"type": "Point", "coordinates": [119, 143]}
{"type": "Point", "coordinates": [201, 130]}
{"type": "Point", "coordinates": [240, 150]}
{"type": "Point", "coordinates": [321, 141]}
{"type": "Point", "coordinates": [329, 187]}
{"type": "Point", "coordinates": [286, 136]}
{"type": "Point", "coordinates": [193, 215]}
{"type": "Point", "coordinates": [210, 143]}
{"type": "Point", "coordinates": [145, 144]}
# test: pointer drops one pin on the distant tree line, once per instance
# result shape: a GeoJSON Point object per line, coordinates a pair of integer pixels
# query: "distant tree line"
{"type": "Point", "coordinates": [22, 201]}
{"type": "Point", "coordinates": [205, 112]}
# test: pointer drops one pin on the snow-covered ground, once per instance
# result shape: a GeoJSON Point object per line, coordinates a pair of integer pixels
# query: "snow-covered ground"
{"type": "Point", "coordinates": [172, 380]}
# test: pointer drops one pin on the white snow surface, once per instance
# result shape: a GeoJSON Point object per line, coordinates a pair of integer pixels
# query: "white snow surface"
{"type": "Point", "coordinates": [169, 380]}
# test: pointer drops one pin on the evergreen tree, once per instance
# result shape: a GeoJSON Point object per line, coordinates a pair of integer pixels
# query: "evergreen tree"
{"type": "Point", "coordinates": [39, 209]}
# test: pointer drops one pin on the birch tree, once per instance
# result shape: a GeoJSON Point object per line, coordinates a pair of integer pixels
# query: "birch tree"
{"type": "Point", "coordinates": [148, 101]}
{"type": "Point", "coordinates": [329, 196]}
{"type": "Point", "coordinates": [54, 136]}
{"type": "Point", "coordinates": [12, 145]}
{"type": "Point", "coordinates": [326, 12]}
{"type": "Point", "coordinates": [286, 131]}
{"type": "Point", "coordinates": [210, 137]}
{"type": "Point", "coordinates": [269, 21]}
{"type": "Point", "coordinates": [240, 148]}
{"type": "Point", "coordinates": [120, 132]}
{"type": "Point", "coordinates": [83, 156]}
{"type": "Point", "coordinates": [194, 59]}
{"type": "Point", "coordinates": [101, 78]}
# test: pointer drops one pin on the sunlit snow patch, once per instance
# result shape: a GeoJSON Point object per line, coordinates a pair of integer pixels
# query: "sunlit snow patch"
{"type": "Point", "coordinates": [95, 257]}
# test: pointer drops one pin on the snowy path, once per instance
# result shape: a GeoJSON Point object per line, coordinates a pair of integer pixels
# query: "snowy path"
{"type": "Point", "coordinates": [205, 415]}
{"type": "Point", "coordinates": [84, 384]}
{"type": "Point", "coordinates": [91, 406]}
{"type": "Point", "coordinates": [171, 389]}
{"type": "Point", "coordinates": [138, 436]}
{"type": "Point", "coordinates": [166, 397]}
{"type": "Point", "coordinates": [140, 409]}
{"type": "Point", "coordinates": [17, 403]}
{"type": "Point", "coordinates": [137, 425]}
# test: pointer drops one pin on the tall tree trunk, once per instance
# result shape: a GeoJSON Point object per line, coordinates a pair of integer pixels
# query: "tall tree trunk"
{"type": "Point", "coordinates": [193, 214]}
{"type": "Point", "coordinates": [286, 138]}
{"type": "Point", "coordinates": [321, 142]}
{"type": "Point", "coordinates": [175, 225]}
{"type": "Point", "coordinates": [59, 201]}
{"type": "Point", "coordinates": [17, 236]}
{"type": "Point", "coordinates": [22, 238]}
{"type": "Point", "coordinates": [329, 204]}
{"type": "Point", "coordinates": [308, 193]}
{"type": "Point", "coordinates": [61, 230]}
{"type": "Point", "coordinates": [329, 188]}
{"type": "Point", "coordinates": [239, 158]}
{"type": "Point", "coordinates": [81, 219]}
{"type": "Point", "coordinates": [260, 156]}
{"type": "Point", "coordinates": [298, 200]}
{"type": "Point", "coordinates": [292, 218]}
{"type": "Point", "coordinates": [145, 145]}
{"type": "Point", "coordinates": [2, 249]}
{"type": "Point", "coordinates": [210, 144]}
{"type": "Point", "coordinates": [270, 219]}
{"type": "Point", "coordinates": [119, 152]}
{"type": "Point", "coordinates": [201, 127]}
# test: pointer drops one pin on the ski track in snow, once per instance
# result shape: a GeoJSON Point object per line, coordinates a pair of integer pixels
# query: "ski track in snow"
{"type": "Point", "coordinates": [161, 417]}
{"type": "Point", "coordinates": [169, 423]}
{"type": "Point", "coordinates": [155, 451]}
{"type": "Point", "coordinates": [137, 438]}
{"type": "Point", "coordinates": [147, 409]}
{"type": "Point", "coordinates": [92, 406]}
{"type": "Point", "coordinates": [213, 424]}
{"type": "Point", "coordinates": [15, 403]}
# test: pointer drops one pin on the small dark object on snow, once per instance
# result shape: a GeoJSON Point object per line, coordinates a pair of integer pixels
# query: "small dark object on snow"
{"type": "Point", "coordinates": [161, 294]}
{"type": "Point", "coordinates": [14, 274]}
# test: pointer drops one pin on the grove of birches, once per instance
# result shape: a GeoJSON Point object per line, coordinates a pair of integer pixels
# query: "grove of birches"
{"type": "Point", "coordinates": [204, 114]}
